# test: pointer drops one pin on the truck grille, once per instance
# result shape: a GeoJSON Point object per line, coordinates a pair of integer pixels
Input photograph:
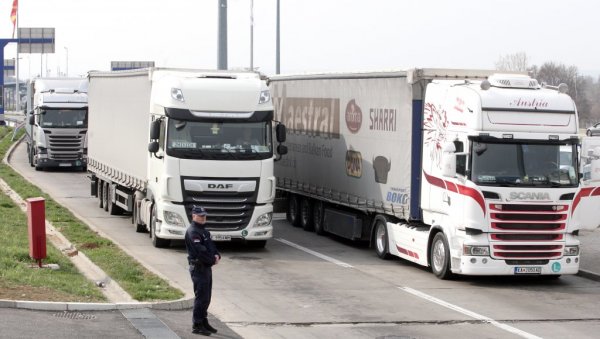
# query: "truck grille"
{"type": "Point", "coordinates": [227, 211]}
{"type": "Point", "coordinates": [65, 147]}
{"type": "Point", "coordinates": [527, 232]}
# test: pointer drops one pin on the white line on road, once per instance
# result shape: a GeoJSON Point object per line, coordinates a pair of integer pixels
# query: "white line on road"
{"type": "Point", "coordinates": [316, 254]}
{"type": "Point", "coordinates": [469, 313]}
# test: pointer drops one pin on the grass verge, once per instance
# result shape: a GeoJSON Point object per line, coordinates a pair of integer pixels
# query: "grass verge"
{"type": "Point", "coordinates": [140, 283]}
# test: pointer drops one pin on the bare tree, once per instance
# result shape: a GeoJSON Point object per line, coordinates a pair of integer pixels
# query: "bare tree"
{"type": "Point", "coordinates": [517, 62]}
{"type": "Point", "coordinates": [554, 74]}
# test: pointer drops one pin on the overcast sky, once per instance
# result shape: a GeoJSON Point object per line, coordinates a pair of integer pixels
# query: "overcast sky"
{"type": "Point", "coordinates": [316, 35]}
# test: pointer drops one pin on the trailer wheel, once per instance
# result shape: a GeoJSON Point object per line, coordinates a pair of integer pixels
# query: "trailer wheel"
{"type": "Point", "coordinates": [99, 193]}
{"type": "Point", "coordinates": [156, 241]}
{"type": "Point", "coordinates": [381, 239]}
{"type": "Point", "coordinates": [440, 257]}
{"type": "Point", "coordinates": [105, 200]}
{"type": "Point", "coordinates": [113, 209]}
{"type": "Point", "coordinates": [293, 210]}
{"type": "Point", "coordinates": [318, 217]}
{"type": "Point", "coordinates": [306, 214]}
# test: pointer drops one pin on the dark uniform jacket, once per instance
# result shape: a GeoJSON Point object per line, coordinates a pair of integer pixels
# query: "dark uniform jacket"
{"type": "Point", "coordinates": [201, 249]}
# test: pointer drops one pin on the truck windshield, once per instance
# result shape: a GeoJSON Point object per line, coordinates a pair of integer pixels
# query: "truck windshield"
{"type": "Point", "coordinates": [63, 118]}
{"type": "Point", "coordinates": [524, 164]}
{"type": "Point", "coordinates": [219, 140]}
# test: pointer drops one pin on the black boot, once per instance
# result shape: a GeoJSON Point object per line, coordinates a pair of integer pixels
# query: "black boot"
{"type": "Point", "coordinates": [198, 328]}
{"type": "Point", "coordinates": [208, 327]}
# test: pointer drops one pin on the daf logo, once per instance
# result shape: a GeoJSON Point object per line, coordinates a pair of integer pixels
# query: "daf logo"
{"type": "Point", "coordinates": [220, 186]}
{"type": "Point", "coordinates": [529, 196]}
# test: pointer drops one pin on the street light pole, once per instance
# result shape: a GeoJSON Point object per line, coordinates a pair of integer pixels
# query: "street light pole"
{"type": "Point", "coordinates": [67, 70]}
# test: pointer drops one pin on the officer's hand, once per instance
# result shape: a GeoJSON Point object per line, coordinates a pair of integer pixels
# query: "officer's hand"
{"type": "Point", "coordinates": [217, 258]}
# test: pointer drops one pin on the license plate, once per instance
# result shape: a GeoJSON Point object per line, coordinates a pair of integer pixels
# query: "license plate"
{"type": "Point", "coordinates": [220, 237]}
{"type": "Point", "coordinates": [528, 270]}
{"type": "Point", "coordinates": [64, 164]}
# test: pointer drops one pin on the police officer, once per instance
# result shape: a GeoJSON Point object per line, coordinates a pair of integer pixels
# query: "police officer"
{"type": "Point", "coordinates": [202, 255]}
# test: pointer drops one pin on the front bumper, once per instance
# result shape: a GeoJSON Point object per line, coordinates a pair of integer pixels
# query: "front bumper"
{"type": "Point", "coordinates": [250, 232]}
{"type": "Point", "coordinates": [45, 162]}
{"type": "Point", "coordinates": [475, 265]}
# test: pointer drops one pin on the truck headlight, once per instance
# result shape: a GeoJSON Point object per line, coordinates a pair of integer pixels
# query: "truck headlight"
{"type": "Point", "coordinates": [177, 94]}
{"type": "Point", "coordinates": [476, 250]}
{"type": "Point", "coordinates": [263, 220]}
{"type": "Point", "coordinates": [173, 218]}
{"type": "Point", "coordinates": [265, 96]}
{"type": "Point", "coordinates": [571, 250]}
{"type": "Point", "coordinates": [42, 150]}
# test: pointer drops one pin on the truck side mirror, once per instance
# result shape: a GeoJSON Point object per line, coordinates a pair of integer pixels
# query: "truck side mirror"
{"type": "Point", "coordinates": [282, 149]}
{"type": "Point", "coordinates": [155, 130]}
{"type": "Point", "coordinates": [31, 120]}
{"type": "Point", "coordinates": [153, 147]}
{"type": "Point", "coordinates": [280, 132]}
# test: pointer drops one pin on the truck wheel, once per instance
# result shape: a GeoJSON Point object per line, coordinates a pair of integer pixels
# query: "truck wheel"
{"type": "Point", "coordinates": [381, 241]}
{"type": "Point", "coordinates": [105, 200]}
{"type": "Point", "coordinates": [113, 209]}
{"type": "Point", "coordinates": [99, 191]}
{"type": "Point", "coordinates": [139, 227]}
{"type": "Point", "coordinates": [293, 210]}
{"type": "Point", "coordinates": [306, 214]}
{"type": "Point", "coordinates": [156, 241]}
{"type": "Point", "coordinates": [318, 210]}
{"type": "Point", "coordinates": [440, 257]}
{"type": "Point", "coordinates": [30, 156]}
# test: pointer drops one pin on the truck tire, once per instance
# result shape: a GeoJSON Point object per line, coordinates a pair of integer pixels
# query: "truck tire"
{"type": "Point", "coordinates": [156, 241]}
{"type": "Point", "coordinates": [381, 239]}
{"type": "Point", "coordinates": [113, 209]}
{"type": "Point", "coordinates": [293, 210]}
{"type": "Point", "coordinates": [306, 214]}
{"type": "Point", "coordinates": [100, 194]}
{"type": "Point", "coordinates": [439, 257]}
{"type": "Point", "coordinates": [317, 212]}
{"type": "Point", "coordinates": [139, 227]}
{"type": "Point", "coordinates": [30, 155]}
{"type": "Point", "coordinates": [105, 199]}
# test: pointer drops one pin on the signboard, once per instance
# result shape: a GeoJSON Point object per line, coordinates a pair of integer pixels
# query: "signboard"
{"type": "Point", "coordinates": [36, 40]}
{"type": "Point", "coordinates": [124, 65]}
{"type": "Point", "coordinates": [9, 68]}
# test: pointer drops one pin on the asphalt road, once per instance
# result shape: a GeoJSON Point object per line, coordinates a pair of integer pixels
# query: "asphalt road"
{"type": "Point", "coordinates": [307, 286]}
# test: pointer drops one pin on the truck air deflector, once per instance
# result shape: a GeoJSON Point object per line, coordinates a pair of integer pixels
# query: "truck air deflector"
{"type": "Point", "coordinates": [415, 167]}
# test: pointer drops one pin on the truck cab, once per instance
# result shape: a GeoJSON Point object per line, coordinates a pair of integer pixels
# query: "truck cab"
{"type": "Point", "coordinates": [56, 128]}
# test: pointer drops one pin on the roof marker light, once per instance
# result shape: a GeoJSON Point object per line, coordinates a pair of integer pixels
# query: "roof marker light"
{"type": "Point", "coordinates": [485, 85]}
{"type": "Point", "coordinates": [563, 88]}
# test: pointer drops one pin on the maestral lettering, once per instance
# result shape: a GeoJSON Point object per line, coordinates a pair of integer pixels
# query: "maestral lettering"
{"type": "Point", "coordinates": [383, 119]}
{"type": "Point", "coordinates": [316, 117]}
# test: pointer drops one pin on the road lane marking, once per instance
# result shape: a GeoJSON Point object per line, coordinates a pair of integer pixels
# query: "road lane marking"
{"type": "Point", "coordinates": [470, 313]}
{"type": "Point", "coordinates": [316, 254]}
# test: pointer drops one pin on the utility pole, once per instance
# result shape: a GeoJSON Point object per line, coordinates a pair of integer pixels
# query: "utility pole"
{"type": "Point", "coordinates": [222, 36]}
{"type": "Point", "coordinates": [252, 35]}
{"type": "Point", "coordinates": [277, 65]}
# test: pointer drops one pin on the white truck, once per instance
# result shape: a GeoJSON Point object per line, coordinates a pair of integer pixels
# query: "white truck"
{"type": "Point", "coordinates": [462, 171]}
{"type": "Point", "coordinates": [163, 140]}
{"type": "Point", "coordinates": [57, 116]}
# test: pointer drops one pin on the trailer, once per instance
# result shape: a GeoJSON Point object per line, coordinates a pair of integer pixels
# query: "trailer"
{"type": "Point", "coordinates": [464, 171]}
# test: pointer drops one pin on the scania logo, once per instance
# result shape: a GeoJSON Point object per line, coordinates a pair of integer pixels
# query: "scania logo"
{"type": "Point", "coordinates": [220, 186]}
{"type": "Point", "coordinates": [529, 196]}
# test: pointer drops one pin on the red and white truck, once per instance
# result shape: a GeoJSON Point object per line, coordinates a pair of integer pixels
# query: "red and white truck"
{"type": "Point", "coordinates": [467, 172]}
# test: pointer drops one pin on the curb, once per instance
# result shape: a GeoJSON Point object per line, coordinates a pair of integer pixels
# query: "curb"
{"type": "Point", "coordinates": [180, 304]}
{"type": "Point", "coordinates": [588, 275]}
